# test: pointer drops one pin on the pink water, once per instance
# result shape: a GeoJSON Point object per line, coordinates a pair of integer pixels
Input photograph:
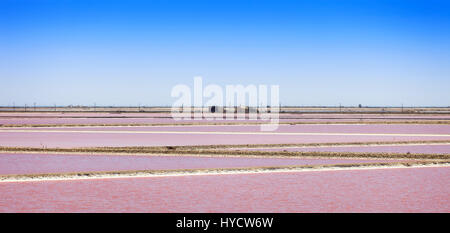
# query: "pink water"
{"type": "Point", "coordinates": [157, 118]}
{"type": "Point", "coordinates": [380, 190]}
{"type": "Point", "coordinates": [126, 136]}
{"type": "Point", "coordinates": [51, 163]}
{"type": "Point", "coordinates": [131, 120]}
{"type": "Point", "coordinates": [70, 140]}
{"type": "Point", "coordinates": [284, 115]}
{"type": "Point", "coordinates": [315, 128]}
{"type": "Point", "coordinates": [56, 121]}
{"type": "Point", "coordinates": [427, 149]}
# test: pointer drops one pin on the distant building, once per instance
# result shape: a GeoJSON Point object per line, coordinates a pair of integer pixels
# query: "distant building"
{"type": "Point", "coordinates": [216, 109]}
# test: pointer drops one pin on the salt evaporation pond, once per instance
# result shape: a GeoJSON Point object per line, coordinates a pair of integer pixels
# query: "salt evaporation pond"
{"type": "Point", "coordinates": [210, 135]}
{"type": "Point", "coordinates": [20, 163]}
{"type": "Point", "coordinates": [377, 190]}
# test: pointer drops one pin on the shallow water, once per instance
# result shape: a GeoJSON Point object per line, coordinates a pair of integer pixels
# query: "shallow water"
{"type": "Point", "coordinates": [59, 163]}
{"type": "Point", "coordinates": [302, 128]}
{"type": "Point", "coordinates": [380, 190]}
{"type": "Point", "coordinates": [157, 136]}
{"type": "Point", "coordinates": [78, 139]}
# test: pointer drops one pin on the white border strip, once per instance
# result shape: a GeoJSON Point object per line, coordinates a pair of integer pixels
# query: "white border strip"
{"type": "Point", "coordinates": [214, 172]}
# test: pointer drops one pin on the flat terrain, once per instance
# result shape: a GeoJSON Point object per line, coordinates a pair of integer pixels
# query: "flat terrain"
{"type": "Point", "coordinates": [21, 163]}
{"type": "Point", "coordinates": [405, 148]}
{"type": "Point", "coordinates": [378, 190]}
{"type": "Point", "coordinates": [210, 135]}
{"type": "Point", "coordinates": [142, 160]}
{"type": "Point", "coordinates": [123, 118]}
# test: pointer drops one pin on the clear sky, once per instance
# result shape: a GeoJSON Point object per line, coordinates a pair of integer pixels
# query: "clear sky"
{"type": "Point", "coordinates": [133, 52]}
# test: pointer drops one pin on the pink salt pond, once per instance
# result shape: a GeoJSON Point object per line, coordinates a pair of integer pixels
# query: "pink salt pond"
{"type": "Point", "coordinates": [209, 135]}
{"type": "Point", "coordinates": [302, 128]}
{"type": "Point", "coordinates": [70, 140]}
{"type": "Point", "coordinates": [11, 163]}
{"type": "Point", "coordinates": [377, 190]}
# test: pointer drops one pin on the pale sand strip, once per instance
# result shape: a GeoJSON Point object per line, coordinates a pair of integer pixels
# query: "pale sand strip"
{"type": "Point", "coordinates": [350, 145]}
{"type": "Point", "coordinates": [192, 172]}
{"type": "Point", "coordinates": [153, 154]}
{"type": "Point", "coordinates": [222, 133]}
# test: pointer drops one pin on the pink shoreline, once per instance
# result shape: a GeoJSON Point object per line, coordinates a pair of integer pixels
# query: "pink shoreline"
{"type": "Point", "coordinates": [70, 140]}
{"type": "Point", "coordinates": [62, 121]}
{"type": "Point", "coordinates": [166, 118]}
{"type": "Point", "coordinates": [286, 115]}
{"type": "Point", "coordinates": [62, 163]}
{"type": "Point", "coordinates": [379, 190]}
{"type": "Point", "coordinates": [41, 137]}
{"type": "Point", "coordinates": [426, 149]}
{"type": "Point", "coordinates": [371, 128]}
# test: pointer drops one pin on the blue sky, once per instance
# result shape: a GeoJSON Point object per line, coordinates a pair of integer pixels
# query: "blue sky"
{"type": "Point", "coordinates": [133, 52]}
